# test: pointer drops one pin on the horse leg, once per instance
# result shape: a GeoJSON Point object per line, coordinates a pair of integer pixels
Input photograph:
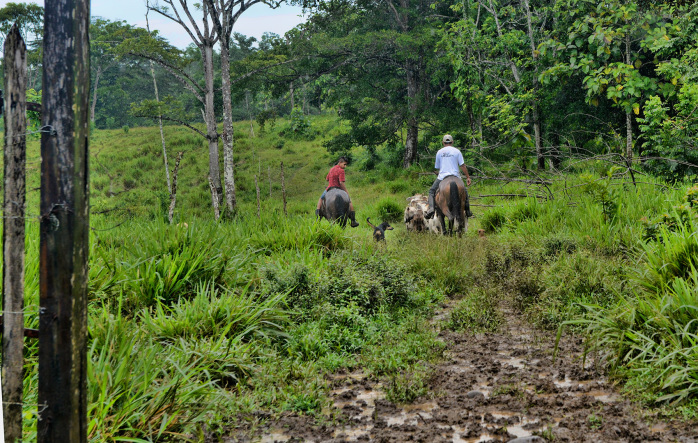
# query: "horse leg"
{"type": "Point", "coordinates": [443, 224]}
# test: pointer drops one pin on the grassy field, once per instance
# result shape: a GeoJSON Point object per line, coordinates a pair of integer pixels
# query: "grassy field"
{"type": "Point", "coordinates": [199, 328]}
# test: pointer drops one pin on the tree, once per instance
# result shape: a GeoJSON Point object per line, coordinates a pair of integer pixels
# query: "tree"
{"type": "Point", "coordinates": [105, 38]}
{"type": "Point", "coordinates": [668, 125]}
{"type": "Point", "coordinates": [30, 20]}
{"type": "Point", "coordinates": [604, 43]}
{"type": "Point", "coordinates": [385, 75]}
{"type": "Point", "coordinates": [494, 51]}
{"type": "Point", "coordinates": [224, 14]}
{"type": "Point", "coordinates": [204, 34]}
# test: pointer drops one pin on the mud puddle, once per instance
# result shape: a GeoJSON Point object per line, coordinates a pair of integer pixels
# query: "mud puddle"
{"type": "Point", "coordinates": [496, 387]}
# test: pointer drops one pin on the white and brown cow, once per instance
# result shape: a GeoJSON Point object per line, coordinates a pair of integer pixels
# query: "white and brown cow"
{"type": "Point", "coordinates": [417, 206]}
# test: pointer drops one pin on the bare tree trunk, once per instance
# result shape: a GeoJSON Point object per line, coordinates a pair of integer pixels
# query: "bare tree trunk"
{"type": "Point", "coordinates": [214, 195]}
{"type": "Point", "coordinates": [412, 141]}
{"type": "Point", "coordinates": [173, 192]}
{"type": "Point", "coordinates": [94, 93]}
{"type": "Point", "coordinates": [64, 244]}
{"type": "Point", "coordinates": [13, 233]}
{"type": "Point", "coordinates": [537, 138]}
{"type": "Point", "coordinates": [157, 99]}
{"type": "Point", "coordinates": [249, 114]}
{"type": "Point", "coordinates": [292, 94]}
{"type": "Point", "coordinates": [305, 99]}
{"type": "Point", "coordinates": [480, 136]}
{"type": "Point", "coordinates": [204, 37]}
{"type": "Point", "coordinates": [211, 131]}
{"type": "Point", "coordinates": [228, 162]}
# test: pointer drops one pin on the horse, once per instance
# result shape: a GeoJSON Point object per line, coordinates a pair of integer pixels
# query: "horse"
{"type": "Point", "coordinates": [335, 206]}
{"type": "Point", "coordinates": [450, 203]}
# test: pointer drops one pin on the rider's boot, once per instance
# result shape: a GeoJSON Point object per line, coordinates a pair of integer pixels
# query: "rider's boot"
{"type": "Point", "coordinates": [317, 213]}
{"type": "Point", "coordinates": [352, 217]}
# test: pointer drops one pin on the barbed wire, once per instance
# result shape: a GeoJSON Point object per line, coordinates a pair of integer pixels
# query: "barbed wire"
{"type": "Point", "coordinates": [43, 406]}
{"type": "Point", "coordinates": [48, 129]}
{"type": "Point", "coordinates": [29, 310]}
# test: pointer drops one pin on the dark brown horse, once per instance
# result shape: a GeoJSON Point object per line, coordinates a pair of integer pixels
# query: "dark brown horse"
{"type": "Point", "coordinates": [450, 203]}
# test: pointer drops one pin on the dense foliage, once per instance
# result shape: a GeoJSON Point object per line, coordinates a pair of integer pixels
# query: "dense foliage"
{"type": "Point", "coordinates": [530, 80]}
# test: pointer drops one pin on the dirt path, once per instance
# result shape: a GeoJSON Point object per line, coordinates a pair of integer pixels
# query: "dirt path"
{"type": "Point", "coordinates": [496, 387]}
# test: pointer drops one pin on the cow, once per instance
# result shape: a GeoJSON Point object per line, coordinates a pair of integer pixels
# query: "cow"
{"type": "Point", "coordinates": [414, 215]}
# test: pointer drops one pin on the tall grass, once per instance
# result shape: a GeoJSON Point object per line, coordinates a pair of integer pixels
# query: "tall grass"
{"type": "Point", "coordinates": [650, 337]}
{"type": "Point", "coordinates": [215, 313]}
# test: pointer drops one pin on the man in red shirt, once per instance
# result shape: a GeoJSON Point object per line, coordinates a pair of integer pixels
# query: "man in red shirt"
{"type": "Point", "coordinates": [335, 179]}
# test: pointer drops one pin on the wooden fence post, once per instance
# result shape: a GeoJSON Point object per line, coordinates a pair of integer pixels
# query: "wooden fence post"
{"type": "Point", "coordinates": [15, 115]}
{"type": "Point", "coordinates": [283, 187]}
{"type": "Point", "coordinates": [173, 189]}
{"type": "Point", "coordinates": [64, 244]}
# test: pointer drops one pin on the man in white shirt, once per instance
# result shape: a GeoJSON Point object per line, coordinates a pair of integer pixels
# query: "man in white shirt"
{"type": "Point", "coordinates": [449, 161]}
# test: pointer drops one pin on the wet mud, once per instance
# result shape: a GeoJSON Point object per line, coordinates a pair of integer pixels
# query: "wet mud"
{"type": "Point", "coordinates": [495, 387]}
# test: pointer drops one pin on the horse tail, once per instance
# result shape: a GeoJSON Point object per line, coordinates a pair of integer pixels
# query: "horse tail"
{"type": "Point", "coordinates": [454, 204]}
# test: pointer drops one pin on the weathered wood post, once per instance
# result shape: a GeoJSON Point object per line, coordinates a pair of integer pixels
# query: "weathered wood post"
{"type": "Point", "coordinates": [15, 115]}
{"type": "Point", "coordinates": [173, 189]}
{"type": "Point", "coordinates": [64, 223]}
{"type": "Point", "coordinates": [283, 187]}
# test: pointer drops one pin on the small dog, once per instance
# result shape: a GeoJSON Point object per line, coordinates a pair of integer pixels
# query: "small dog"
{"type": "Point", "coordinates": [379, 231]}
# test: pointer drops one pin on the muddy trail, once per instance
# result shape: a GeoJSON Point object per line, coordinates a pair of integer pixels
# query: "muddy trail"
{"type": "Point", "coordinates": [494, 387]}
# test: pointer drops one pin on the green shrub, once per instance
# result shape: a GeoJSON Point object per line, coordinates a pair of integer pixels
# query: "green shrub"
{"type": "Point", "coordinates": [555, 245]}
{"type": "Point", "coordinates": [476, 312]}
{"type": "Point", "coordinates": [573, 280]}
{"type": "Point", "coordinates": [398, 186]}
{"type": "Point", "coordinates": [389, 210]}
{"type": "Point", "coordinates": [407, 386]}
{"type": "Point", "coordinates": [493, 220]}
{"type": "Point", "coordinates": [525, 211]}
{"type": "Point", "coordinates": [676, 256]}
{"type": "Point", "coordinates": [299, 126]}
{"type": "Point", "coordinates": [308, 342]}
{"type": "Point", "coordinates": [294, 281]}
{"type": "Point", "coordinates": [370, 283]}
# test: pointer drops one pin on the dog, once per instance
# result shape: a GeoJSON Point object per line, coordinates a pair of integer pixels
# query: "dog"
{"type": "Point", "coordinates": [379, 231]}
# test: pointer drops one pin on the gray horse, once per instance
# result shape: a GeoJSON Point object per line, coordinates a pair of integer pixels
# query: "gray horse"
{"type": "Point", "coordinates": [335, 206]}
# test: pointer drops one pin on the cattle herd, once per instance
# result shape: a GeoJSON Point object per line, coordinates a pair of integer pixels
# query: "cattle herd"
{"type": "Point", "coordinates": [417, 206]}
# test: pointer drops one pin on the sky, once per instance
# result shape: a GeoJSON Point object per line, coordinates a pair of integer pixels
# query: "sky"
{"type": "Point", "coordinates": [254, 22]}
